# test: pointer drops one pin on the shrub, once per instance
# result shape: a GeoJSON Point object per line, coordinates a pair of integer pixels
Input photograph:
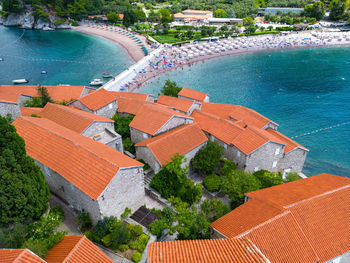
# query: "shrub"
{"type": "Point", "coordinates": [208, 158]}
{"type": "Point", "coordinates": [75, 23]}
{"type": "Point", "coordinates": [58, 22]}
{"type": "Point", "coordinates": [291, 177]}
{"type": "Point", "coordinates": [84, 220]}
{"type": "Point", "coordinates": [123, 248]}
{"type": "Point", "coordinates": [120, 234]}
{"type": "Point", "coordinates": [107, 240]}
{"type": "Point", "coordinates": [127, 211]}
{"type": "Point", "coordinates": [268, 179]}
{"type": "Point", "coordinates": [136, 230]}
{"type": "Point", "coordinates": [143, 239]}
{"type": "Point", "coordinates": [133, 245]}
{"type": "Point", "coordinates": [157, 227]}
{"type": "Point", "coordinates": [212, 183]}
{"type": "Point", "coordinates": [141, 247]}
{"type": "Point", "coordinates": [136, 257]}
{"type": "Point", "coordinates": [227, 168]}
{"type": "Point", "coordinates": [128, 145]}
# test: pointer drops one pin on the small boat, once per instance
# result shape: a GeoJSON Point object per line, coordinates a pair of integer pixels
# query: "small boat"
{"type": "Point", "coordinates": [96, 82]}
{"type": "Point", "coordinates": [107, 75]}
{"type": "Point", "coordinates": [44, 72]}
{"type": "Point", "coordinates": [1, 59]}
{"type": "Point", "coordinates": [19, 81]}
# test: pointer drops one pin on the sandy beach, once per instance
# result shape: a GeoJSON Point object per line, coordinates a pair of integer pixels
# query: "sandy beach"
{"type": "Point", "coordinates": [130, 45]}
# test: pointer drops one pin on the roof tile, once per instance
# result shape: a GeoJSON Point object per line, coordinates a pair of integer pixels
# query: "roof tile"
{"type": "Point", "coordinates": [19, 256]}
{"type": "Point", "coordinates": [176, 103]}
{"type": "Point", "coordinates": [98, 99]}
{"type": "Point", "coordinates": [192, 94]}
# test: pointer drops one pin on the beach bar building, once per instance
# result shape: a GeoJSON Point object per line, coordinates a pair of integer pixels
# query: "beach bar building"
{"type": "Point", "coordinates": [88, 175]}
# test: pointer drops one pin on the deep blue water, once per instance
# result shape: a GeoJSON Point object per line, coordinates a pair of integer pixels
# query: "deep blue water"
{"type": "Point", "coordinates": [68, 57]}
{"type": "Point", "coordinates": [302, 90]}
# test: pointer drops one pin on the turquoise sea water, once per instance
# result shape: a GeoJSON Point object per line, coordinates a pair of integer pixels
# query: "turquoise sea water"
{"type": "Point", "coordinates": [302, 90]}
{"type": "Point", "coordinates": [68, 57]}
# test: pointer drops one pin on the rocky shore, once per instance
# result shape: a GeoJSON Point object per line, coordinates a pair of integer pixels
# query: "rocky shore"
{"type": "Point", "coordinates": [27, 20]}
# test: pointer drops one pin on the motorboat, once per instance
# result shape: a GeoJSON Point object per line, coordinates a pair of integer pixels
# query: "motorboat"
{"type": "Point", "coordinates": [107, 75]}
{"type": "Point", "coordinates": [1, 59]}
{"type": "Point", "coordinates": [96, 82]}
{"type": "Point", "coordinates": [19, 81]}
{"type": "Point", "coordinates": [44, 72]}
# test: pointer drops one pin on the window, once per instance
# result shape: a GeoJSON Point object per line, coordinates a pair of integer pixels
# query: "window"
{"type": "Point", "coordinates": [212, 138]}
{"type": "Point", "coordinates": [72, 187]}
{"type": "Point", "coordinates": [274, 164]}
{"type": "Point", "coordinates": [238, 154]}
{"type": "Point", "coordinates": [47, 170]}
{"type": "Point", "coordinates": [277, 151]}
{"type": "Point", "coordinates": [256, 169]}
{"type": "Point", "coordinates": [144, 135]}
{"type": "Point", "coordinates": [225, 145]}
{"type": "Point", "coordinates": [110, 106]}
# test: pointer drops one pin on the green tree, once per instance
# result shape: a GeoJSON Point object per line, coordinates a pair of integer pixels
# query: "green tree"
{"type": "Point", "coordinates": [212, 183]}
{"type": "Point", "coordinates": [291, 177]}
{"type": "Point", "coordinates": [220, 13]}
{"type": "Point", "coordinates": [337, 8]}
{"type": "Point", "coordinates": [237, 184]}
{"type": "Point", "coordinates": [113, 17]}
{"type": "Point", "coordinates": [41, 100]}
{"type": "Point", "coordinates": [12, 6]}
{"type": "Point", "coordinates": [170, 88]}
{"type": "Point", "coordinates": [24, 194]}
{"type": "Point", "coordinates": [268, 179]}
{"type": "Point", "coordinates": [248, 21]}
{"type": "Point", "coordinates": [153, 17]}
{"type": "Point", "coordinates": [208, 158]}
{"type": "Point", "coordinates": [121, 124]}
{"type": "Point", "coordinates": [165, 16]}
{"type": "Point", "coordinates": [13, 237]}
{"type": "Point", "coordinates": [315, 10]}
{"type": "Point", "coordinates": [140, 15]}
{"type": "Point", "coordinates": [129, 17]}
{"type": "Point", "coordinates": [213, 209]}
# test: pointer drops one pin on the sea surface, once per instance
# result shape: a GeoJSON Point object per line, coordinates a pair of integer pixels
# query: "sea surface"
{"type": "Point", "coordinates": [68, 57]}
{"type": "Point", "coordinates": [306, 91]}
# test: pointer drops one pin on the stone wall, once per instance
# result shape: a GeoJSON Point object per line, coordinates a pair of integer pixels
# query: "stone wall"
{"type": "Point", "coordinates": [22, 99]}
{"type": "Point", "coordinates": [10, 108]}
{"type": "Point", "coordinates": [77, 199]}
{"type": "Point", "coordinates": [345, 258]}
{"type": "Point", "coordinates": [293, 160]}
{"type": "Point", "coordinates": [264, 157]}
{"type": "Point", "coordinates": [138, 136]}
{"type": "Point", "coordinates": [117, 142]}
{"type": "Point", "coordinates": [144, 153]}
{"type": "Point", "coordinates": [173, 123]}
{"type": "Point", "coordinates": [80, 105]}
{"type": "Point", "coordinates": [125, 190]}
{"type": "Point", "coordinates": [214, 234]}
{"type": "Point", "coordinates": [109, 110]}
{"type": "Point", "coordinates": [189, 156]}
{"type": "Point", "coordinates": [97, 127]}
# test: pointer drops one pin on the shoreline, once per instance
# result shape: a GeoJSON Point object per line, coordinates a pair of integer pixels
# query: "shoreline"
{"type": "Point", "coordinates": [132, 49]}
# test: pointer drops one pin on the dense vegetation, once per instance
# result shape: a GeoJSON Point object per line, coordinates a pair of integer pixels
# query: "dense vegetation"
{"type": "Point", "coordinates": [41, 100]}
{"type": "Point", "coordinates": [118, 235]}
{"type": "Point", "coordinates": [121, 126]}
{"type": "Point", "coordinates": [24, 194]}
{"type": "Point", "coordinates": [170, 88]}
{"type": "Point", "coordinates": [39, 236]}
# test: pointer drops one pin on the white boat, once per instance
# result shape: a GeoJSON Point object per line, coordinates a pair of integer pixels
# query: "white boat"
{"type": "Point", "coordinates": [44, 72]}
{"type": "Point", "coordinates": [96, 82]}
{"type": "Point", "coordinates": [1, 59]}
{"type": "Point", "coordinates": [19, 81]}
{"type": "Point", "coordinates": [107, 75]}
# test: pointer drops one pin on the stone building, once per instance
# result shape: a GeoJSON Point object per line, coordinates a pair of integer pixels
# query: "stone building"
{"type": "Point", "coordinates": [152, 120]}
{"type": "Point", "coordinates": [86, 174]}
{"type": "Point", "coordinates": [302, 221]}
{"type": "Point", "coordinates": [181, 105]}
{"type": "Point", "coordinates": [251, 148]}
{"type": "Point", "coordinates": [185, 140]}
{"type": "Point", "coordinates": [190, 94]}
{"type": "Point", "coordinates": [132, 95]}
{"type": "Point", "coordinates": [100, 102]}
{"type": "Point", "coordinates": [90, 125]}
{"type": "Point", "coordinates": [12, 98]}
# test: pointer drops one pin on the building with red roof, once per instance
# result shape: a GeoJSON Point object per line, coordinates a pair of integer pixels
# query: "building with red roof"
{"type": "Point", "coordinates": [12, 98]}
{"type": "Point", "coordinates": [190, 94]}
{"type": "Point", "coordinates": [182, 105]}
{"type": "Point", "coordinates": [185, 140]}
{"type": "Point", "coordinates": [154, 119]}
{"type": "Point", "coordinates": [303, 221]}
{"type": "Point", "coordinates": [19, 256]}
{"type": "Point", "coordinates": [85, 173]}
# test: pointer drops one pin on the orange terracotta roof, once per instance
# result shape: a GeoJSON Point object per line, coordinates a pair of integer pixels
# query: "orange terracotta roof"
{"type": "Point", "coordinates": [285, 195]}
{"type": "Point", "coordinates": [8, 97]}
{"type": "Point", "coordinates": [87, 164]}
{"type": "Point", "coordinates": [192, 94]}
{"type": "Point", "coordinates": [236, 112]}
{"type": "Point", "coordinates": [290, 144]}
{"type": "Point", "coordinates": [57, 93]}
{"type": "Point", "coordinates": [245, 217]}
{"type": "Point", "coordinates": [73, 119]}
{"type": "Point", "coordinates": [129, 105]}
{"type": "Point", "coordinates": [282, 240]}
{"type": "Point", "coordinates": [200, 251]}
{"type": "Point", "coordinates": [166, 145]}
{"type": "Point", "coordinates": [150, 118]}
{"type": "Point", "coordinates": [130, 95]}
{"type": "Point", "coordinates": [19, 256]}
{"type": "Point", "coordinates": [98, 99]}
{"type": "Point", "coordinates": [28, 111]}
{"type": "Point", "coordinates": [224, 130]}
{"type": "Point", "coordinates": [176, 103]}
{"type": "Point", "coordinates": [313, 225]}
{"type": "Point", "coordinates": [76, 249]}
{"type": "Point", "coordinates": [198, 11]}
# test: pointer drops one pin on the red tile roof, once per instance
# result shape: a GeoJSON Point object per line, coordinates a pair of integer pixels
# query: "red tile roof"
{"type": "Point", "coordinates": [175, 103]}
{"type": "Point", "coordinates": [166, 145]}
{"type": "Point", "coordinates": [150, 118]}
{"type": "Point", "coordinates": [290, 144]}
{"type": "Point", "coordinates": [28, 111]}
{"type": "Point", "coordinates": [76, 249]}
{"type": "Point", "coordinates": [8, 97]}
{"type": "Point", "coordinates": [98, 99]}
{"type": "Point", "coordinates": [19, 256]}
{"type": "Point", "coordinates": [73, 119]}
{"type": "Point", "coordinates": [200, 251]}
{"type": "Point", "coordinates": [313, 225]}
{"type": "Point", "coordinates": [236, 112]}
{"type": "Point", "coordinates": [57, 93]}
{"type": "Point", "coordinates": [130, 95]}
{"type": "Point", "coordinates": [87, 164]}
{"type": "Point", "coordinates": [192, 94]}
{"type": "Point", "coordinates": [129, 105]}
